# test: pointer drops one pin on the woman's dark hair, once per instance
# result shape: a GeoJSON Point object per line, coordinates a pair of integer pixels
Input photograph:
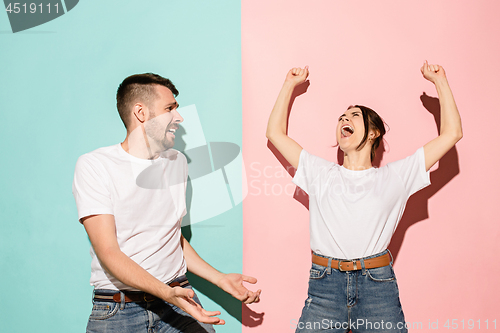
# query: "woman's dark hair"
{"type": "Point", "coordinates": [139, 87]}
{"type": "Point", "coordinates": [375, 123]}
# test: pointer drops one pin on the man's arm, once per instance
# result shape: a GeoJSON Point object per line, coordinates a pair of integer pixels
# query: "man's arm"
{"type": "Point", "coordinates": [102, 234]}
{"type": "Point", "coordinates": [231, 283]}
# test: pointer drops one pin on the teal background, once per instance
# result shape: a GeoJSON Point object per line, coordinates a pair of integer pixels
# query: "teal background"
{"type": "Point", "coordinates": [58, 84]}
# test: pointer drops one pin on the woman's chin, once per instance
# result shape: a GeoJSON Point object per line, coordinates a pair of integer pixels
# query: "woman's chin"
{"type": "Point", "coordinates": [346, 146]}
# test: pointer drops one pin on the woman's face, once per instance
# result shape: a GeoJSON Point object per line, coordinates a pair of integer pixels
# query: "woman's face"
{"type": "Point", "coordinates": [350, 129]}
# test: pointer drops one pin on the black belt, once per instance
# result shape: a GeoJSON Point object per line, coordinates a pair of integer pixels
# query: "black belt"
{"type": "Point", "coordinates": [136, 296]}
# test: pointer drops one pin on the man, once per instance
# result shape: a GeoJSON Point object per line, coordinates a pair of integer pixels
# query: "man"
{"type": "Point", "coordinates": [131, 200]}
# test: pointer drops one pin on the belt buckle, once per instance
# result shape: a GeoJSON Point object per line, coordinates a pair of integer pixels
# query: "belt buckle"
{"type": "Point", "coordinates": [354, 265]}
{"type": "Point", "coordinates": [145, 296]}
{"type": "Point", "coordinates": [340, 265]}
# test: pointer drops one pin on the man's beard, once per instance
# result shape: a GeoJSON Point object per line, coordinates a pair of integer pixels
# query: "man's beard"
{"type": "Point", "coordinates": [159, 135]}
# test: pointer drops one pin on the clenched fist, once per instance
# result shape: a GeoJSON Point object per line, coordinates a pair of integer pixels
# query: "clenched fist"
{"type": "Point", "coordinates": [297, 75]}
{"type": "Point", "coordinates": [433, 72]}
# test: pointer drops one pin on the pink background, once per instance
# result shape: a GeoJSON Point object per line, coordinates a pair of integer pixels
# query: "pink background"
{"type": "Point", "coordinates": [370, 52]}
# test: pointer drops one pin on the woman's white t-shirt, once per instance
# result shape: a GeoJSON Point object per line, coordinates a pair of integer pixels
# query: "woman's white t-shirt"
{"type": "Point", "coordinates": [353, 214]}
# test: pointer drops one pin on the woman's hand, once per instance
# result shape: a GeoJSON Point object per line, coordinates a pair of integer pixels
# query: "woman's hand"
{"type": "Point", "coordinates": [433, 73]}
{"type": "Point", "coordinates": [297, 75]}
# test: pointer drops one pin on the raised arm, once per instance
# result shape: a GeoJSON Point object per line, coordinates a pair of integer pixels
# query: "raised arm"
{"type": "Point", "coordinates": [277, 125]}
{"type": "Point", "coordinates": [102, 233]}
{"type": "Point", "coordinates": [451, 126]}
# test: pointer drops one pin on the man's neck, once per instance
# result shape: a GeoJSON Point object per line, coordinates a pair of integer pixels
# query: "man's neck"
{"type": "Point", "coordinates": [139, 147]}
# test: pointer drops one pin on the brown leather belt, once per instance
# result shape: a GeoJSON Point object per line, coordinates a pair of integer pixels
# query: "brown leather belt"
{"type": "Point", "coordinates": [135, 296]}
{"type": "Point", "coordinates": [353, 265]}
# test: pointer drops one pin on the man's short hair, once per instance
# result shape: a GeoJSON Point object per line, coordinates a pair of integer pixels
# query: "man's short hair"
{"type": "Point", "coordinates": [139, 88]}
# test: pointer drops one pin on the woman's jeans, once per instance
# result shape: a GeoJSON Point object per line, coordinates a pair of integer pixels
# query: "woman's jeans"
{"type": "Point", "coordinates": [365, 300]}
{"type": "Point", "coordinates": [148, 317]}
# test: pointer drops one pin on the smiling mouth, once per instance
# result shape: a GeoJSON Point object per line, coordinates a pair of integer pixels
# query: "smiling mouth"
{"type": "Point", "coordinates": [172, 131]}
{"type": "Point", "coordinates": [346, 131]}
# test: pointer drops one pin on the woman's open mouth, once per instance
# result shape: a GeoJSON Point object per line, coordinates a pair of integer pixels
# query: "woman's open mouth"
{"type": "Point", "coordinates": [346, 131]}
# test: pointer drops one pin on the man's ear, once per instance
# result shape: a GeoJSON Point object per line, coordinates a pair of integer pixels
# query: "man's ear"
{"type": "Point", "coordinates": [139, 112]}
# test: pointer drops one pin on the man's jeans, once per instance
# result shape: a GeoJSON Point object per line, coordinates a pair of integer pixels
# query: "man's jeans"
{"type": "Point", "coordinates": [157, 316]}
{"type": "Point", "coordinates": [366, 300]}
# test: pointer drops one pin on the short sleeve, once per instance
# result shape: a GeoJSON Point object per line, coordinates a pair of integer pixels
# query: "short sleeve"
{"type": "Point", "coordinates": [90, 188]}
{"type": "Point", "coordinates": [310, 170]}
{"type": "Point", "coordinates": [411, 171]}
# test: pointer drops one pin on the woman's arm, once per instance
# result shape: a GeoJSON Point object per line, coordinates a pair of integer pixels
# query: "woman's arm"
{"type": "Point", "coordinates": [276, 127]}
{"type": "Point", "coordinates": [451, 126]}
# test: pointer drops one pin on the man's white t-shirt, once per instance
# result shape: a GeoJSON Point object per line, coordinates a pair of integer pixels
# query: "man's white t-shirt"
{"type": "Point", "coordinates": [353, 214]}
{"type": "Point", "coordinates": [147, 200]}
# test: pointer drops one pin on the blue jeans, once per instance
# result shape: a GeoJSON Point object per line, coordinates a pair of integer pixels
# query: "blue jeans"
{"type": "Point", "coordinates": [148, 317]}
{"type": "Point", "coordinates": [366, 300]}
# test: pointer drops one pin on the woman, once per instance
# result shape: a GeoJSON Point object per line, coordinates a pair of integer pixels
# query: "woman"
{"type": "Point", "coordinates": [354, 210]}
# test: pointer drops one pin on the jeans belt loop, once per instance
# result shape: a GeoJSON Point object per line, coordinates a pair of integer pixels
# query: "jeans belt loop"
{"type": "Point", "coordinates": [122, 300]}
{"type": "Point", "coordinates": [329, 268]}
{"type": "Point", "coordinates": [392, 259]}
{"type": "Point", "coordinates": [363, 269]}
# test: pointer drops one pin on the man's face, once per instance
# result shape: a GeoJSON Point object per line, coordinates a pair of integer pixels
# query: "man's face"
{"type": "Point", "coordinates": [163, 119]}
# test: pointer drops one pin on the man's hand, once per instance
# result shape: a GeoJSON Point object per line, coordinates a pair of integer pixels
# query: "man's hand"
{"type": "Point", "coordinates": [183, 299]}
{"type": "Point", "coordinates": [230, 283]}
{"type": "Point", "coordinates": [433, 72]}
{"type": "Point", "coordinates": [233, 284]}
{"type": "Point", "coordinates": [297, 75]}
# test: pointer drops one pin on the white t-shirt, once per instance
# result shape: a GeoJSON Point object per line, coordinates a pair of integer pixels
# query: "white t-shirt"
{"type": "Point", "coordinates": [353, 214]}
{"type": "Point", "coordinates": [147, 200]}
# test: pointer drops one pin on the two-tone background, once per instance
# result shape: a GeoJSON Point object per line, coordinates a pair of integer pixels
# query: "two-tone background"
{"type": "Point", "coordinates": [228, 58]}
